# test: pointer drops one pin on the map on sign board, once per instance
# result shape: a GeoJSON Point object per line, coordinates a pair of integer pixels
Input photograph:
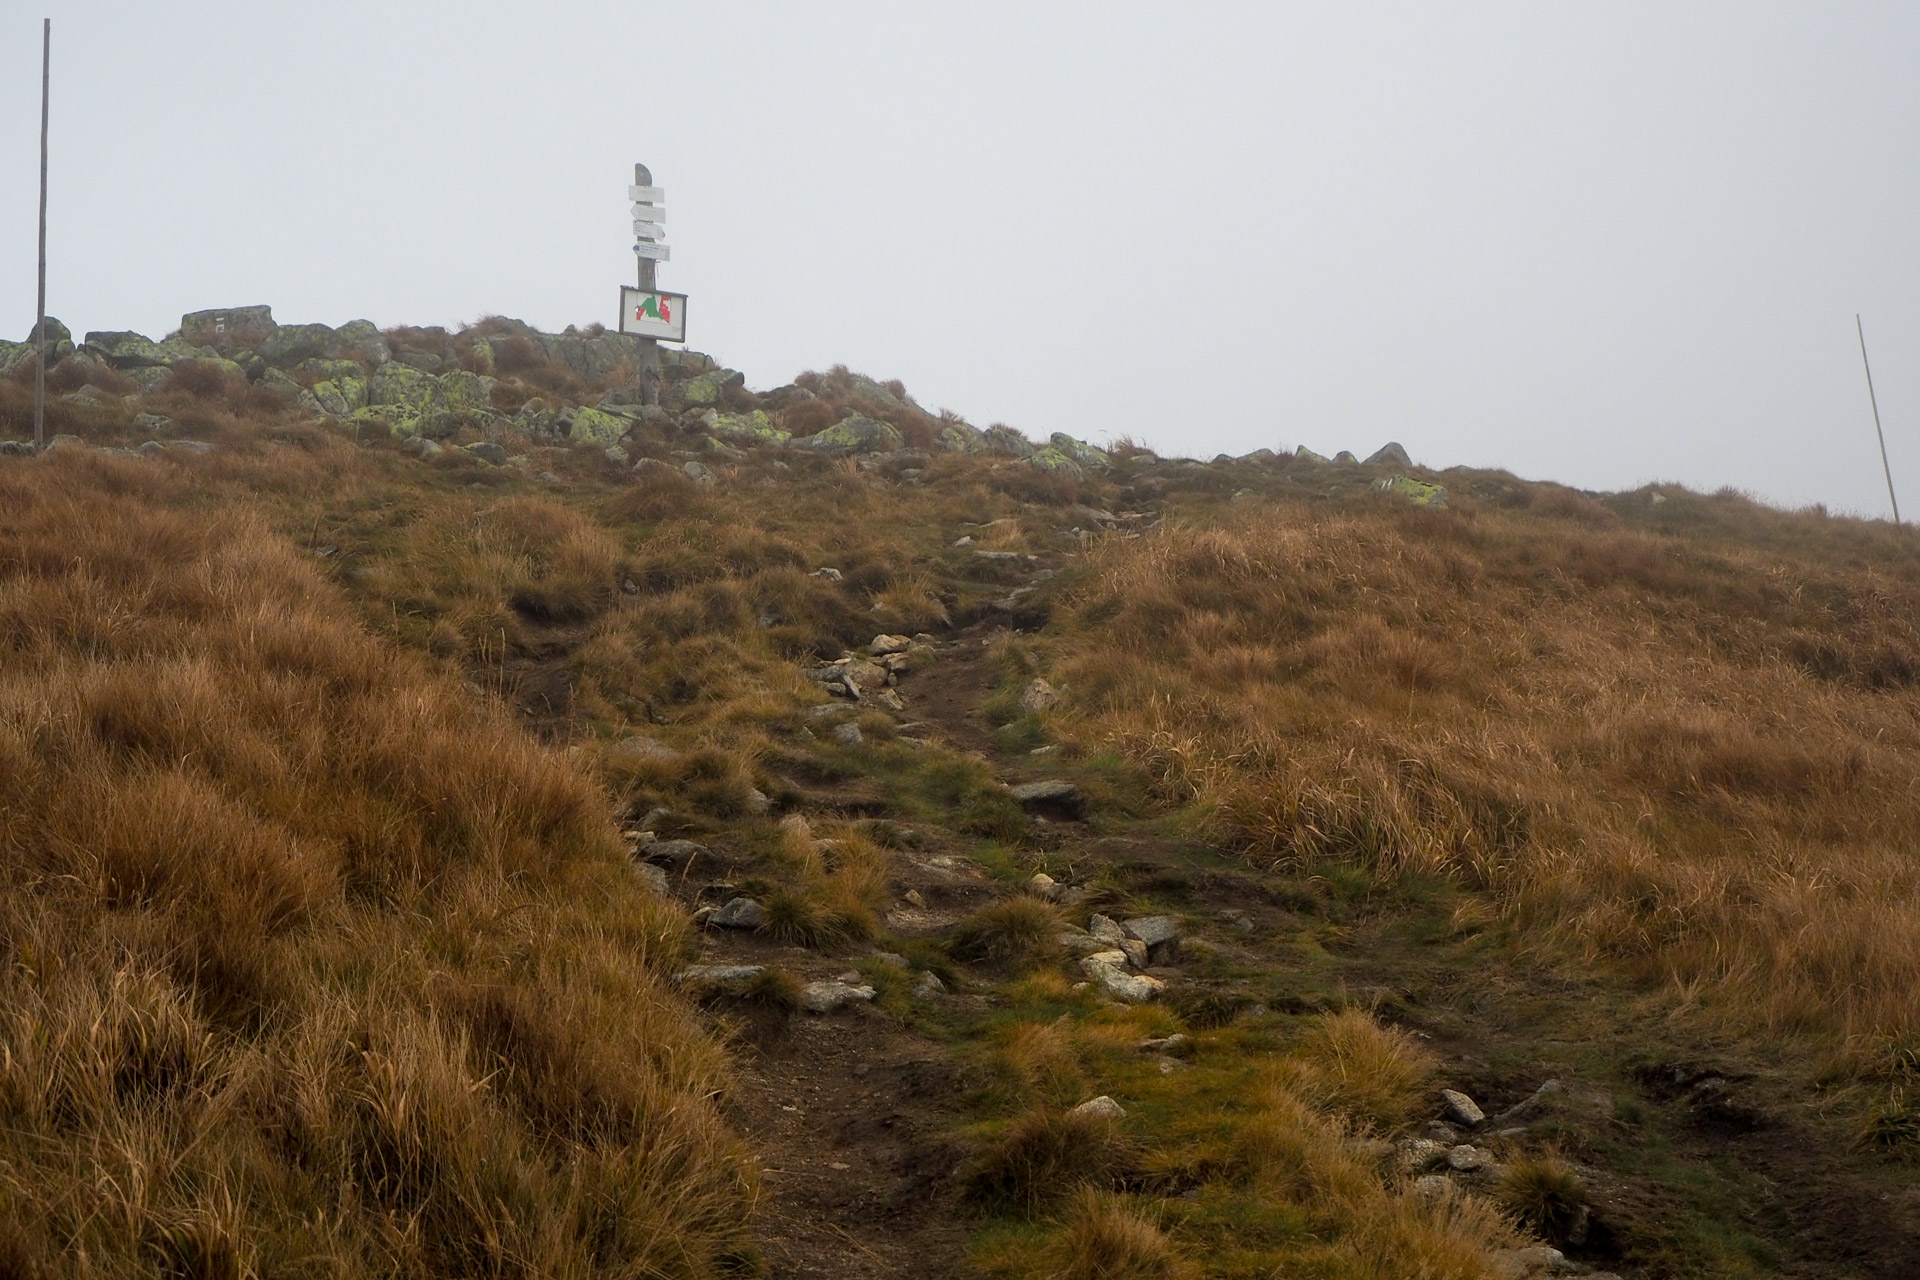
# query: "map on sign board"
{"type": "Point", "coordinates": [648, 313]}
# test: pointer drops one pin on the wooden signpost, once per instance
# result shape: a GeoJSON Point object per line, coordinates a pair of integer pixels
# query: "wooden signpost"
{"type": "Point", "coordinates": [646, 312]}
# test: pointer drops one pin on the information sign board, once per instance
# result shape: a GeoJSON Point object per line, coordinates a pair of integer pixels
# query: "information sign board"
{"type": "Point", "coordinates": [649, 313]}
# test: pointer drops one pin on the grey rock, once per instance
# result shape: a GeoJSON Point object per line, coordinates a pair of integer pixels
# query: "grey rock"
{"type": "Point", "coordinates": [825, 997]}
{"type": "Point", "coordinates": [1107, 970]}
{"type": "Point", "coordinates": [1419, 1154]}
{"type": "Point", "coordinates": [721, 972]}
{"type": "Point", "coordinates": [1160, 935]}
{"type": "Point", "coordinates": [1101, 1108]}
{"type": "Point", "coordinates": [1390, 454]}
{"type": "Point", "coordinates": [1106, 929]}
{"type": "Point", "coordinates": [853, 435]}
{"type": "Point", "coordinates": [655, 877]}
{"type": "Point", "coordinates": [1461, 1109]}
{"type": "Point", "coordinates": [1039, 696]}
{"type": "Point", "coordinates": [1053, 792]}
{"type": "Point", "coordinates": [739, 913]}
{"type": "Point", "coordinates": [1466, 1157]}
{"type": "Point", "coordinates": [1137, 954]}
{"type": "Point", "coordinates": [848, 734]}
{"type": "Point", "coordinates": [675, 853]}
{"type": "Point", "coordinates": [290, 343]}
{"type": "Point", "coordinates": [227, 328]}
{"type": "Point", "coordinates": [883, 645]}
{"type": "Point", "coordinates": [640, 747]}
{"type": "Point", "coordinates": [928, 986]}
{"type": "Point", "coordinates": [1440, 1131]}
{"type": "Point", "coordinates": [488, 451]}
{"type": "Point", "coordinates": [1431, 1186]}
{"type": "Point", "coordinates": [419, 447]}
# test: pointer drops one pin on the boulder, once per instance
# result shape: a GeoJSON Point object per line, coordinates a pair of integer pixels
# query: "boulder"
{"type": "Point", "coordinates": [127, 350]}
{"type": "Point", "coordinates": [1107, 970]}
{"type": "Point", "coordinates": [1006, 441]}
{"type": "Point", "coordinates": [470, 393]}
{"type": "Point", "coordinates": [361, 338]}
{"type": "Point", "coordinates": [1461, 1109]}
{"type": "Point", "coordinates": [958, 437]}
{"type": "Point", "coordinates": [1089, 457]}
{"type": "Point", "coordinates": [1054, 795]}
{"type": "Point", "coordinates": [292, 343]}
{"type": "Point", "coordinates": [1420, 1154]}
{"type": "Point", "coordinates": [409, 401]}
{"type": "Point", "coordinates": [848, 734]}
{"type": "Point", "coordinates": [1345, 456]}
{"type": "Point", "coordinates": [227, 328]}
{"type": "Point", "coordinates": [1160, 935]}
{"type": "Point", "coordinates": [674, 853]}
{"type": "Point", "coordinates": [1390, 454]}
{"type": "Point", "coordinates": [706, 389]}
{"type": "Point", "coordinates": [928, 986]}
{"type": "Point", "coordinates": [597, 426]}
{"type": "Point", "coordinates": [341, 397]}
{"type": "Point", "coordinates": [738, 913]}
{"type": "Point", "coordinates": [1465, 1158]}
{"type": "Point", "coordinates": [1053, 461]}
{"type": "Point", "coordinates": [147, 379]}
{"type": "Point", "coordinates": [721, 973]}
{"type": "Point", "coordinates": [1307, 455]}
{"type": "Point", "coordinates": [853, 435]}
{"type": "Point", "coordinates": [1101, 1108]}
{"type": "Point", "coordinates": [488, 451]}
{"type": "Point", "coordinates": [1039, 696]}
{"type": "Point", "coordinates": [1107, 930]}
{"type": "Point", "coordinates": [825, 997]}
{"type": "Point", "coordinates": [748, 428]}
{"type": "Point", "coordinates": [1418, 492]}
{"type": "Point", "coordinates": [640, 747]}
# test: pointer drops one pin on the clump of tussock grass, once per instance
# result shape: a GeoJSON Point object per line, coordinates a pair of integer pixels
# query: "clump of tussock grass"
{"type": "Point", "coordinates": [1543, 1193]}
{"type": "Point", "coordinates": [1013, 933]}
{"type": "Point", "coordinates": [1373, 1075]}
{"type": "Point", "coordinates": [1042, 1157]}
{"type": "Point", "coordinates": [1106, 1238]}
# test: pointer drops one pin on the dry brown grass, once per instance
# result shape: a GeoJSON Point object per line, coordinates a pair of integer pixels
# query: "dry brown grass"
{"type": "Point", "coordinates": [1690, 753]}
{"type": "Point", "coordinates": [309, 956]}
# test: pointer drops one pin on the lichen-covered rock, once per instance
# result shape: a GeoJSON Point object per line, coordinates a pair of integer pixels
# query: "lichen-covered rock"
{"type": "Point", "coordinates": [279, 381]}
{"type": "Point", "coordinates": [854, 435]}
{"type": "Point", "coordinates": [883, 396]}
{"type": "Point", "coordinates": [959, 437]}
{"type": "Point", "coordinates": [410, 402]}
{"type": "Point", "coordinates": [1089, 457]}
{"type": "Point", "coordinates": [1007, 441]}
{"type": "Point", "coordinates": [57, 333]}
{"type": "Point", "coordinates": [290, 343]}
{"type": "Point", "coordinates": [1390, 454]}
{"type": "Point", "coordinates": [361, 338]}
{"type": "Point", "coordinates": [597, 426]}
{"type": "Point", "coordinates": [323, 370]}
{"type": "Point", "coordinates": [1307, 455]}
{"type": "Point", "coordinates": [1418, 492]}
{"type": "Point", "coordinates": [754, 428]}
{"type": "Point", "coordinates": [227, 328]}
{"type": "Point", "coordinates": [124, 349]}
{"type": "Point", "coordinates": [341, 397]}
{"type": "Point", "coordinates": [1056, 462]}
{"type": "Point", "coordinates": [219, 364]}
{"type": "Point", "coordinates": [147, 380]}
{"type": "Point", "coordinates": [469, 392]}
{"type": "Point", "coordinates": [707, 388]}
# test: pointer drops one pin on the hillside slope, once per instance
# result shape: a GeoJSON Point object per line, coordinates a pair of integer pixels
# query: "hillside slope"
{"type": "Point", "coordinates": [1595, 808]}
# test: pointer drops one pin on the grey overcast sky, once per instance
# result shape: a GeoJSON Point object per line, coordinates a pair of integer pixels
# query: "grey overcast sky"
{"type": "Point", "coordinates": [1602, 243]}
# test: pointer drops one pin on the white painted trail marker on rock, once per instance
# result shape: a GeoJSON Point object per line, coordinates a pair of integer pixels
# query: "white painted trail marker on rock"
{"type": "Point", "coordinates": [648, 313]}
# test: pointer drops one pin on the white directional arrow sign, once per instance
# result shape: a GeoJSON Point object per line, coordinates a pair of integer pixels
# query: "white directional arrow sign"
{"type": "Point", "coordinates": [649, 230]}
{"type": "Point", "coordinates": [649, 212]}
{"type": "Point", "coordinates": [647, 195]}
{"type": "Point", "coordinates": [649, 249]}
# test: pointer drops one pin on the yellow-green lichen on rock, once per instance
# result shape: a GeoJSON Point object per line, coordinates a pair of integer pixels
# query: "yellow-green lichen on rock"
{"type": "Point", "coordinates": [1418, 492]}
{"type": "Point", "coordinates": [1057, 462]}
{"type": "Point", "coordinates": [755, 427]}
{"type": "Point", "coordinates": [597, 426]}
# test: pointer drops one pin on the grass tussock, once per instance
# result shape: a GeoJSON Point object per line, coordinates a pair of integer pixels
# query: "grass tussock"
{"type": "Point", "coordinates": [1108, 1239]}
{"type": "Point", "coordinates": [1042, 1157]}
{"type": "Point", "coordinates": [1373, 1075]}
{"type": "Point", "coordinates": [1014, 933]}
{"type": "Point", "coordinates": [1544, 1194]}
{"type": "Point", "coordinates": [310, 956]}
{"type": "Point", "coordinates": [1682, 740]}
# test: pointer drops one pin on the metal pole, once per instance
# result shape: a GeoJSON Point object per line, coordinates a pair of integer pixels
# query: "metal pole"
{"type": "Point", "coordinates": [649, 347]}
{"type": "Point", "coordinates": [1875, 402]}
{"type": "Point", "coordinates": [40, 322]}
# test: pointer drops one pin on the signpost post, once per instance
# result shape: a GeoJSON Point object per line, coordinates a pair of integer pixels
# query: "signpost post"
{"type": "Point", "coordinates": [40, 324]}
{"type": "Point", "coordinates": [645, 311]}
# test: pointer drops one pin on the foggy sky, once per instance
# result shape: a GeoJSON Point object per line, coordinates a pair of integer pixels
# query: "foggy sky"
{"type": "Point", "coordinates": [1598, 243]}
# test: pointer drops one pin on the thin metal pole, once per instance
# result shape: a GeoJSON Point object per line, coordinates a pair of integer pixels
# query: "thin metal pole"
{"type": "Point", "coordinates": [649, 371]}
{"type": "Point", "coordinates": [40, 323]}
{"type": "Point", "coordinates": [1875, 402]}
